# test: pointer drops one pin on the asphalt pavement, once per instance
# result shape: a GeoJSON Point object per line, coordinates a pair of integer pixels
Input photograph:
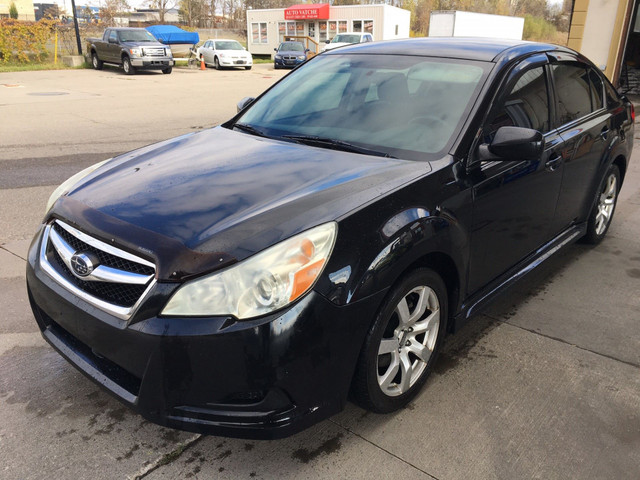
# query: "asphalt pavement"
{"type": "Point", "coordinates": [543, 384]}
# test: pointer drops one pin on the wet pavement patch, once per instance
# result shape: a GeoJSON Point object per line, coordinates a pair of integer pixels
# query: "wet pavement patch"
{"type": "Point", "coordinates": [330, 446]}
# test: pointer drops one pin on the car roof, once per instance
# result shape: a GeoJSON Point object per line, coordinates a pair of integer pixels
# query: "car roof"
{"type": "Point", "coordinates": [221, 40]}
{"type": "Point", "coordinates": [467, 48]}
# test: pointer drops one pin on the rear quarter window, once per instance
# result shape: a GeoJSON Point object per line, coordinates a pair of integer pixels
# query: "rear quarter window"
{"type": "Point", "coordinates": [573, 90]}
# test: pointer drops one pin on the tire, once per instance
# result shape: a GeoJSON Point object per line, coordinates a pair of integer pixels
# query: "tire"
{"type": "Point", "coordinates": [216, 64]}
{"type": "Point", "coordinates": [384, 382]}
{"type": "Point", "coordinates": [127, 67]}
{"type": "Point", "coordinates": [276, 66]}
{"type": "Point", "coordinates": [96, 62]}
{"type": "Point", "coordinates": [167, 70]}
{"type": "Point", "coordinates": [604, 206]}
{"type": "Point", "coordinates": [247, 68]}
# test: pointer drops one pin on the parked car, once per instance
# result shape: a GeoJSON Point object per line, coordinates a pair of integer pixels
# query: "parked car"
{"type": "Point", "coordinates": [225, 53]}
{"type": "Point", "coordinates": [289, 55]}
{"type": "Point", "coordinates": [133, 48]}
{"type": "Point", "coordinates": [242, 280]}
{"type": "Point", "coordinates": [343, 39]}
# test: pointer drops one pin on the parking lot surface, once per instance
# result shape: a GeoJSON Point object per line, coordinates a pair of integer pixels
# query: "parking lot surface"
{"type": "Point", "coordinates": [543, 384]}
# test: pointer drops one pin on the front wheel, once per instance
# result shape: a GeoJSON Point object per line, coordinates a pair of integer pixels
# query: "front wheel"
{"type": "Point", "coordinates": [96, 62]}
{"type": "Point", "coordinates": [127, 67]}
{"type": "Point", "coordinates": [247, 68]}
{"type": "Point", "coordinates": [604, 206]}
{"type": "Point", "coordinates": [216, 63]}
{"type": "Point", "coordinates": [403, 343]}
{"type": "Point", "coordinates": [167, 70]}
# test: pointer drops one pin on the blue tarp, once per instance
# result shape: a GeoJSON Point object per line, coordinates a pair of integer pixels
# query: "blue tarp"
{"type": "Point", "coordinates": [170, 35]}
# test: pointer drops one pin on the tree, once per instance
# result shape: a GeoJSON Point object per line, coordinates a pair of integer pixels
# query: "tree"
{"type": "Point", "coordinates": [13, 11]}
{"type": "Point", "coordinates": [163, 6]}
{"type": "Point", "coordinates": [53, 12]}
{"type": "Point", "coordinates": [110, 9]}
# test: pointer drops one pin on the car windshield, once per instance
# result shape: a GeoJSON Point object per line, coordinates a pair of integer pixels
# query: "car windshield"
{"type": "Point", "coordinates": [228, 45]}
{"type": "Point", "coordinates": [346, 38]}
{"type": "Point", "coordinates": [291, 47]}
{"type": "Point", "coordinates": [136, 36]}
{"type": "Point", "coordinates": [404, 106]}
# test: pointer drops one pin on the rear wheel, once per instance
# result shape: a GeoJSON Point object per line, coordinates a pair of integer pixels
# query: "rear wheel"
{"type": "Point", "coordinates": [604, 206]}
{"type": "Point", "coordinates": [96, 62]}
{"type": "Point", "coordinates": [403, 343]}
{"type": "Point", "coordinates": [167, 70]}
{"type": "Point", "coordinates": [127, 67]}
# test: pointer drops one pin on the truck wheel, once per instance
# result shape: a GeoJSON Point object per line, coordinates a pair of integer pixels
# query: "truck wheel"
{"type": "Point", "coordinates": [96, 62]}
{"type": "Point", "coordinates": [247, 68]}
{"type": "Point", "coordinates": [216, 62]}
{"type": "Point", "coordinates": [167, 70]}
{"type": "Point", "coordinates": [127, 67]}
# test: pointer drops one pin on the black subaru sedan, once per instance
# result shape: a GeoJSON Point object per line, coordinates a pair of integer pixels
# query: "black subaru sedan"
{"type": "Point", "coordinates": [248, 279]}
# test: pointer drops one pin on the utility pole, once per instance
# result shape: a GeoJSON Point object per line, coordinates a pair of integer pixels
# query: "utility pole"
{"type": "Point", "coordinates": [75, 24]}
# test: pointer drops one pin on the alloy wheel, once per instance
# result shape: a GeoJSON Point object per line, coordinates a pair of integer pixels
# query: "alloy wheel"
{"type": "Point", "coordinates": [408, 341]}
{"type": "Point", "coordinates": [606, 203]}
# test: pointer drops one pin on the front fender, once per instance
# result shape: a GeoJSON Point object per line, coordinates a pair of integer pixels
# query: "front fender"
{"type": "Point", "coordinates": [400, 243]}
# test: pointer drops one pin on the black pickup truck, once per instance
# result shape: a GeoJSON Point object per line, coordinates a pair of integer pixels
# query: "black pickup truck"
{"type": "Point", "coordinates": [133, 48]}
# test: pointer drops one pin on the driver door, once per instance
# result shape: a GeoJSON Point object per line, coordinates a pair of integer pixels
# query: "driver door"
{"type": "Point", "coordinates": [514, 202]}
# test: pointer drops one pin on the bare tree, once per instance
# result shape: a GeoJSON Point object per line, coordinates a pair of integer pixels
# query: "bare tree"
{"type": "Point", "coordinates": [163, 6]}
{"type": "Point", "coordinates": [110, 9]}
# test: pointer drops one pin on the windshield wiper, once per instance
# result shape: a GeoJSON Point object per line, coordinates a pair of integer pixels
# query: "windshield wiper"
{"type": "Point", "coordinates": [249, 129]}
{"type": "Point", "coordinates": [326, 142]}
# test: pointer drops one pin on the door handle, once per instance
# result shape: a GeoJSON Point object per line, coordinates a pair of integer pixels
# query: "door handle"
{"type": "Point", "coordinates": [604, 132]}
{"type": "Point", "coordinates": [553, 162]}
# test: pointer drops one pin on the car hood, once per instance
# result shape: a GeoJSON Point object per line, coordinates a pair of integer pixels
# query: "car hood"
{"type": "Point", "coordinates": [297, 53]}
{"type": "Point", "coordinates": [143, 44]}
{"type": "Point", "coordinates": [226, 191]}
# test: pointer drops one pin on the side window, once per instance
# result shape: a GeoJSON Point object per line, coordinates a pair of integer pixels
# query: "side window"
{"type": "Point", "coordinates": [527, 105]}
{"type": "Point", "coordinates": [597, 89]}
{"type": "Point", "coordinates": [113, 35]}
{"type": "Point", "coordinates": [574, 94]}
{"type": "Point", "coordinates": [612, 95]}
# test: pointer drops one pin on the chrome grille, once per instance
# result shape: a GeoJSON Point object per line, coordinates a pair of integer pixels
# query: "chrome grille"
{"type": "Point", "coordinates": [116, 281]}
{"type": "Point", "coordinates": [154, 52]}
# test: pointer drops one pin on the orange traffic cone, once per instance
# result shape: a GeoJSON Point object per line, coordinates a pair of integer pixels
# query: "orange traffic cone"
{"type": "Point", "coordinates": [202, 65]}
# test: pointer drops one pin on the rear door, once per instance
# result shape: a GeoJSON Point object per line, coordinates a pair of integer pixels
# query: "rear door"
{"type": "Point", "coordinates": [586, 128]}
{"type": "Point", "coordinates": [515, 201]}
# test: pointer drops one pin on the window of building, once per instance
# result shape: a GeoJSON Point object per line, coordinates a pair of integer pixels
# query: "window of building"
{"type": "Point", "coordinates": [574, 93]}
{"type": "Point", "coordinates": [259, 32]}
{"type": "Point", "coordinates": [527, 105]}
{"type": "Point", "coordinates": [362, 26]}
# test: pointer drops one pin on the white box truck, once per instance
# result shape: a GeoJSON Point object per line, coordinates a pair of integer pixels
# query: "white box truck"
{"type": "Point", "coordinates": [454, 23]}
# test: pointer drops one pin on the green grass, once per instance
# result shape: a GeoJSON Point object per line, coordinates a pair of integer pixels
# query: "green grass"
{"type": "Point", "coordinates": [33, 66]}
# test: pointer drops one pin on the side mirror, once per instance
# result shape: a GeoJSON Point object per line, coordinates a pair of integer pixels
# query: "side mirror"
{"type": "Point", "coordinates": [513, 143]}
{"type": "Point", "coordinates": [244, 103]}
{"type": "Point", "coordinates": [327, 41]}
{"type": "Point", "coordinates": [275, 49]}
{"type": "Point", "coordinates": [306, 50]}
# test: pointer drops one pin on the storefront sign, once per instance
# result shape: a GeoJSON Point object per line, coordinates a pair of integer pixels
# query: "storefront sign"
{"type": "Point", "coordinates": [319, 11]}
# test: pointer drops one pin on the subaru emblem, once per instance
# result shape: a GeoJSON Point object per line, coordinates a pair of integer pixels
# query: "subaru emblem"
{"type": "Point", "coordinates": [82, 264]}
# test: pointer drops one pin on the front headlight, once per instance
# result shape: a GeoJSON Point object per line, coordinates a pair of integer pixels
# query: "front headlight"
{"type": "Point", "coordinates": [68, 184]}
{"type": "Point", "coordinates": [167, 52]}
{"type": "Point", "coordinates": [278, 57]}
{"type": "Point", "coordinates": [261, 284]}
{"type": "Point", "coordinates": [136, 51]}
{"type": "Point", "coordinates": [302, 57]}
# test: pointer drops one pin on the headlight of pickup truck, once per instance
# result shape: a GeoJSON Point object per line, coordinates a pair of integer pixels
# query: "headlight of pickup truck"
{"type": "Point", "coordinates": [261, 284]}
{"type": "Point", "coordinates": [167, 52]}
{"type": "Point", "coordinates": [68, 184]}
{"type": "Point", "coordinates": [136, 52]}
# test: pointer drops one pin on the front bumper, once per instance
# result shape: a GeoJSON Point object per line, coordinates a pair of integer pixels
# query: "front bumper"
{"type": "Point", "coordinates": [282, 62]}
{"type": "Point", "coordinates": [264, 378]}
{"type": "Point", "coordinates": [238, 62]}
{"type": "Point", "coordinates": [152, 62]}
